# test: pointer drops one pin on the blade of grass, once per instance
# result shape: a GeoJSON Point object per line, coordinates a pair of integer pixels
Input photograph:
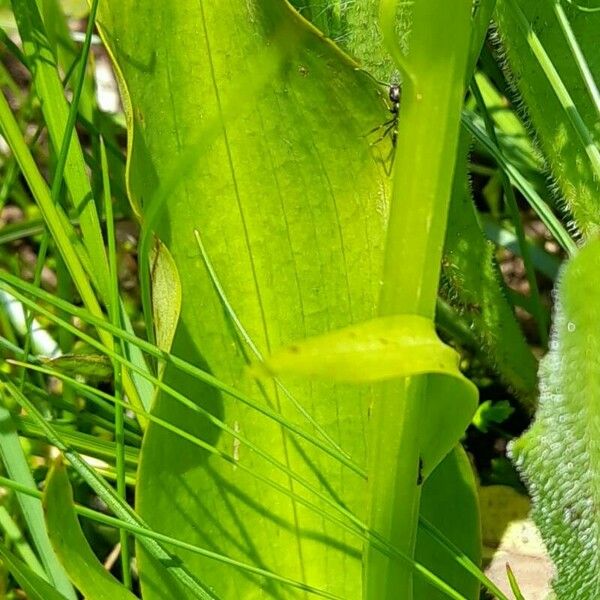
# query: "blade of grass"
{"type": "Point", "coordinates": [582, 64]}
{"type": "Point", "coordinates": [64, 236]}
{"type": "Point", "coordinates": [35, 587]}
{"type": "Point", "coordinates": [14, 536]}
{"type": "Point", "coordinates": [69, 133]}
{"type": "Point", "coordinates": [471, 122]}
{"type": "Point", "coordinates": [17, 467]}
{"type": "Point", "coordinates": [561, 91]}
{"type": "Point", "coordinates": [107, 494]}
{"type": "Point", "coordinates": [60, 122]}
{"type": "Point", "coordinates": [167, 357]}
{"type": "Point", "coordinates": [514, 586]}
{"type": "Point", "coordinates": [538, 311]}
{"type": "Point", "coordinates": [115, 317]}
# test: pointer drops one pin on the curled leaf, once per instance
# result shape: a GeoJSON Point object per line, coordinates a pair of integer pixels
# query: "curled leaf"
{"type": "Point", "coordinates": [389, 348]}
{"type": "Point", "coordinates": [376, 350]}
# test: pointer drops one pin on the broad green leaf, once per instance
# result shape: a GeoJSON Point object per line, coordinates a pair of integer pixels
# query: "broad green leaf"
{"type": "Point", "coordinates": [449, 502]}
{"type": "Point", "coordinates": [82, 565]}
{"type": "Point", "coordinates": [291, 207]}
{"type": "Point", "coordinates": [33, 585]}
{"type": "Point", "coordinates": [563, 108]}
{"type": "Point", "coordinates": [558, 457]}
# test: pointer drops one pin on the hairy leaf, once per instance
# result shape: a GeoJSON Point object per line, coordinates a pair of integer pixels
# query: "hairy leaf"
{"type": "Point", "coordinates": [559, 456]}
{"type": "Point", "coordinates": [543, 67]}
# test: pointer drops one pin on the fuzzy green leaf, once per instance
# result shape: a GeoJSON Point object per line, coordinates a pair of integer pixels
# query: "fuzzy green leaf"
{"type": "Point", "coordinates": [563, 109]}
{"type": "Point", "coordinates": [559, 457]}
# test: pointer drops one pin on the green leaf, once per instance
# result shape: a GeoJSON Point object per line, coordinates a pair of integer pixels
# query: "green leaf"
{"type": "Point", "coordinates": [449, 502]}
{"type": "Point", "coordinates": [376, 350]}
{"type": "Point", "coordinates": [558, 457]}
{"type": "Point", "coordinates": [166, 296]}
{"type": "Point", "coordinates": [84, 569]}
{"type": "Point", "coordinates": [318, 199]}
{"type": "Point", "coordinates": [490, 412]}
{"type": "Point", "coordinates": [562, 105]}
{"type": "Point", "coordinates": [472, 283]}
{"type": "Point", "coordinates": [91, 366]}
{"type": "Point", "coordinates": [33, 585]}
{"type": "Point", "coordinates": [15, 462]}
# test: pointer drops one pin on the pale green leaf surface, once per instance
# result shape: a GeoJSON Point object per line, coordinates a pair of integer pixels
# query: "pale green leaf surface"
{"type": "Point", "coordinates": [558, 457]}
{"type": "Point", "coordinates": [376, 350]}
{"type": "Point", "coordinates": [568, 158]}
{"type": "Point", "coordinates": [292, 212]}
{"type": "Point", "coordinates": [82, 565]}
{"type": "Point", "coordinates": [33, 585]}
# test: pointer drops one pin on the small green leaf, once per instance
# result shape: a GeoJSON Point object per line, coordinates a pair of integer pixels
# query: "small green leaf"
{"type": "Point", "coordinates": [166, 296]}
{"type": "Point", "coordinates": [559, 457]}
{"type": "Point", "coordinates": [514, 585]}
{"type": "Point", "coordinates": [33, 585]}
{"type": "Point", "coordinates": [91, 366]}
{"type": "Point", "coordinates": [490, 412]}
{"type": "Point", "coordinates": [84, 569]}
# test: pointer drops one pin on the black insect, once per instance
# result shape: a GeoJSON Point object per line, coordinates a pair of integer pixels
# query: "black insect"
{"type": "Point", "coordinates": [390, 127]}
{"type": "Point", "coordinates": [420, 472]}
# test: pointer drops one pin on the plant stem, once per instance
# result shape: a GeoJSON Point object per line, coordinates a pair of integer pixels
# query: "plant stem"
{"type": "Point", "coordinates": [432, 98]}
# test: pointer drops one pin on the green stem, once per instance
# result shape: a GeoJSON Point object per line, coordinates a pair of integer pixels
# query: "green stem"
{"type": "Point", "coordinates": [432, 96]}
